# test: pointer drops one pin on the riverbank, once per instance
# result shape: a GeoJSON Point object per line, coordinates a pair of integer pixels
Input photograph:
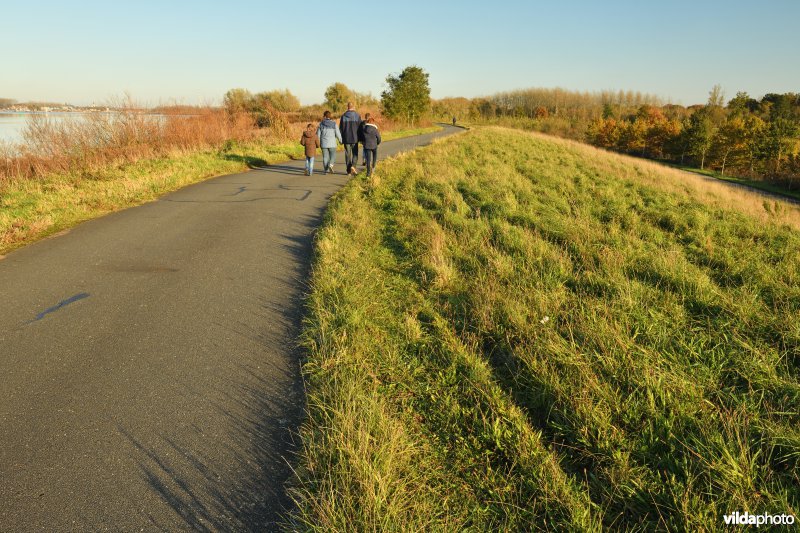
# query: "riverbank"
{"type": "Point", "coordinates": [32, 209]}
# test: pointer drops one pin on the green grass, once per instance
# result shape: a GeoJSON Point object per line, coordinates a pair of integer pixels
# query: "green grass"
{"type": "Point", "coordinates": [397, 134]}
{"type": "Point", "coordinates": [576, 130]}
{"type": "Point", "coordinates": [31, 209]}
{"type": "Point", "coordinates": [511, 332]}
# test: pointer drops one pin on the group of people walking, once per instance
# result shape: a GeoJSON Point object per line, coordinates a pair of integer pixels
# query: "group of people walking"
{"type": "Point", "coordinates": [350, 131]}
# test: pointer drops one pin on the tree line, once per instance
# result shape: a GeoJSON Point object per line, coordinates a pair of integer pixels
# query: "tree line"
{"type": "Point", "coordinates": [747, 137]}
{"type": "Point", "coordinates": [406, 99]}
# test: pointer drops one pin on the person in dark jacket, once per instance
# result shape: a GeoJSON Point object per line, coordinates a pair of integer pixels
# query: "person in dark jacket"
{"type": "Point", "coordinates": [361, 136]}
{"type": "Point", "coordinates": [372, 138]}
{"type": "Point", "coordinates": [311, 142]}
{"type": "Point", "coordinates": [329, 137]}
{"type": "Point", "coordinates": [348, 125]}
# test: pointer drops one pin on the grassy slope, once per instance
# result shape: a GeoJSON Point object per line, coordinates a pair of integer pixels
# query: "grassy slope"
{"type": "Point", "coordinates": [576, 130]}
{"type": "Point", "coordinates": [511, 331]}
{"type": "Point", "coordinates": [35, 208]}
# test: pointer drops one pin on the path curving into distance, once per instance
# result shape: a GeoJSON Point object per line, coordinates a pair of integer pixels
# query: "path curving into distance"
{"type": "Point", "coordinates": [150, 379]}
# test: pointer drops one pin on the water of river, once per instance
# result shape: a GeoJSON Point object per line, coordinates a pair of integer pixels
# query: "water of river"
{"type": "Point", "coordinates": [13, 124]}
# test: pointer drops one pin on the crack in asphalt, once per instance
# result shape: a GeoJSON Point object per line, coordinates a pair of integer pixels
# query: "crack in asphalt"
{"type": "Point", "coordinates": [307, 192]}
{"type": "Point", "coordinates": [59, 305]}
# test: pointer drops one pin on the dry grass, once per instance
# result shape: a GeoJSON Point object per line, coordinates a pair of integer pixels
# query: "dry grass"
{"type": "Point", "coordinates": [90, 142]}
{"type": "Point", "coordinates": [708, 190]}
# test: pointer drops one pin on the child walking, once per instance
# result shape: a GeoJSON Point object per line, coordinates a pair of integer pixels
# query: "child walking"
{"type": "Point", "coordinates": [361, 136]}
{"type": "Point", "coordinates": [311, 142]}
{"type": "Point", "coordinates": [372, 138]}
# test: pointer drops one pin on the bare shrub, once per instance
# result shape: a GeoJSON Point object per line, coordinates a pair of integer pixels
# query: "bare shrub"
{"type": "Point", "coordinates": [129, 133]}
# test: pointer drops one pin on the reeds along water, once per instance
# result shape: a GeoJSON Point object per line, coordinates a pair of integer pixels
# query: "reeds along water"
{"type": "Point", "coordinates": [85, 142]}
{"type": "Point", "coordinates": [91, 140]}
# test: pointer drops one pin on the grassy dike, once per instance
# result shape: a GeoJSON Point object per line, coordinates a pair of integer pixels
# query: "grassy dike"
{"type": "Point", "coordinates": [31, 209]}
{"type": "Point", "coordinates": [509, 331]}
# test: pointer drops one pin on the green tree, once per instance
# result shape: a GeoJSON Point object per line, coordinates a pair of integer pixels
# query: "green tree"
{"type": "Point", "coordinates": [447, 108]}
{"type": "Point", "coordinates": [337, 95]}
{"type": "Point", "coordinates": [237, 101]}
{"type": "Point", "coordinates": [781, 105]}
{"type": "Point", "coordinates": [364, 99]}
{"type": "Point", "coordinates": [283, 101]}
{"type": "Point", "coordinates": [633, 136]}
{"type": "Point", "coordinates": [731, 140]}
{"type": "Point", "coordinates": [742, 103]}
{"type": "Point", "coordinates": [483, 108]}
{"type": "Point", "coordinates": [674, 139]}
{"type": "Point", "coordinates": [754, 128]}
{"type": "Point", "coordinates": [700, 134]}
{"type": "Point", "coordinates": [779, 136]}
{"type": "Point", "coordinates": [408, 95]}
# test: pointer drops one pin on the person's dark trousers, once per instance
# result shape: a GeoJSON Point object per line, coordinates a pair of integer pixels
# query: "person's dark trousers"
{"type": "Point", "coordinates": [350, 156]}
{"type": "Point", "coordinates": [371, 155]}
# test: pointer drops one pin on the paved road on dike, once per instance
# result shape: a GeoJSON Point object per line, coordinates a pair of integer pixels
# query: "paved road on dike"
{"type": "Point", "coordinates": [150, 378]}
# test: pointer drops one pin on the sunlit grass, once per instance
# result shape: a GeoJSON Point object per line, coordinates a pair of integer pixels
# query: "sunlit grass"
{"type": "Point", "coordinates": [511, 332]}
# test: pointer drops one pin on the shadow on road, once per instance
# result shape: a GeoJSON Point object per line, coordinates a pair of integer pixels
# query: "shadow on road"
{"type": "Point", "coordinates": [261, 405]}
{"type": "Point", "coordinates": [264, 418]}
{"type": "Point", "coordinates": [203, 497]}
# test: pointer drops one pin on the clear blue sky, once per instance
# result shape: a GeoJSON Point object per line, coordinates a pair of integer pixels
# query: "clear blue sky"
{"type": "Point", "coordinates": [192, 52]}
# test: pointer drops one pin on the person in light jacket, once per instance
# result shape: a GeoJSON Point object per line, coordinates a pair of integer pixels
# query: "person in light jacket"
{"type": "Point", "coordinates": [329, 138]}
{"type": "Point", "coordinates": [372, 138]}
{"type": "Point", "coordinates": [348, 125]}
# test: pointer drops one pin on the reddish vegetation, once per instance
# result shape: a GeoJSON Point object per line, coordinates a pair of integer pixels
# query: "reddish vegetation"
{"type": "Point", "coordinates": [93, 140]}
{"type": "Point", "coordinates": [90, 141]}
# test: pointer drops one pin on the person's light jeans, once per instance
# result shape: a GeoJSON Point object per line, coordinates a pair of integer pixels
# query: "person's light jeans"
{"type": "Point", "coordinates": [310, 165]}
{"type": "Point", "coordinates": [328, 157]}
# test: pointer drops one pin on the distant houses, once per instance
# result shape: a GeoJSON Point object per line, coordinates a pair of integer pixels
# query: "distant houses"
{"type": "Point", "coordinates": [65, 108]}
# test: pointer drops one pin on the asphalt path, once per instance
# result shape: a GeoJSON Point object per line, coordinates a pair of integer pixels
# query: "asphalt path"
{"type": "Point", "coordinates": [148, 360]}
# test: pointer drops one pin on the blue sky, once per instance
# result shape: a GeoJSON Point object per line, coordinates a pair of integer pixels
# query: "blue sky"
{"type": "Point", "coordinates": [192, 52]}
